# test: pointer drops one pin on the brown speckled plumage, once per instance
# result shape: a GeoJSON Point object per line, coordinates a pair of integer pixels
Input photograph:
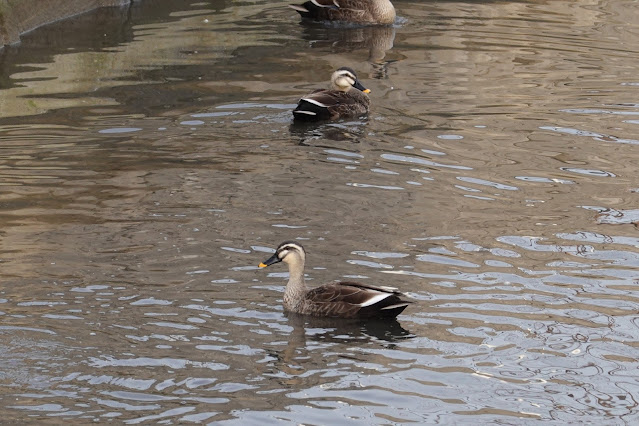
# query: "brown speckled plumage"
{"type": "Point", "coordinates": [351, 11]}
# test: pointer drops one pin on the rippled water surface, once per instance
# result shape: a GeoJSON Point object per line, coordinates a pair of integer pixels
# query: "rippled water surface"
{"type": "Point", "coordinates": [148, 163]}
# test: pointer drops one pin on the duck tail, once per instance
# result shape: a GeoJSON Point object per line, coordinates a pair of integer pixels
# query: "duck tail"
{"type": "Point", "coordinates": [299, 8]}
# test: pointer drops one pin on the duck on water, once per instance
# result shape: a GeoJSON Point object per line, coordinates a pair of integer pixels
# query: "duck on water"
{"type": "Point", "coordinates": [347, 97]}
{"type": "Point", "coordinates": [343, 299]}
{"type": "Point", "coordinates": [363, 12]}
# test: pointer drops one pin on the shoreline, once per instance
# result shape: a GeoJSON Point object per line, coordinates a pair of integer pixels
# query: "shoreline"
{"type": "Point", "coordinates": [20, 17]}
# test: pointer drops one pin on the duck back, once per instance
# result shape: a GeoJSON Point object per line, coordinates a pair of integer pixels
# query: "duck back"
{"type": "Point", "coordinates": [354, 11]}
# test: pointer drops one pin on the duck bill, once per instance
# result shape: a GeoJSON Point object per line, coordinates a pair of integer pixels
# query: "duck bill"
{"type": "Point", "coordinates": [359, 86]}
{"type": "Point", "coordinates": [270, 261]}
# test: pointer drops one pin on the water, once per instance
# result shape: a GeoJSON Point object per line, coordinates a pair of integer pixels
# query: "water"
{"type": "Point", "coordinates": [148, 163]}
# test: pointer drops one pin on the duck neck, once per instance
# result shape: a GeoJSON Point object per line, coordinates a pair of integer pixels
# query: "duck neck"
{"type": "Point", "coordinates": [296, 287]}
{"type": "Point", "coordinates": [384, 11]}
{"type": "Point", "coordinates": [361, 97]}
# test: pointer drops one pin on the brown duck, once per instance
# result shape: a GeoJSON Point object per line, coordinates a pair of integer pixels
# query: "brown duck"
{"type": "Point", "coordinates": [365, 12]}
{"type": "Point", "coordinates": [340, 299]}
{"type": "Point", "coordinates": [347, 97]}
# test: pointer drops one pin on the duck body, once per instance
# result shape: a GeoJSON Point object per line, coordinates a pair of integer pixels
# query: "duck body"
{"type": "Point", "coordinates": [342, 299]}
{"type": "Point", "coordinates": [364, 12]}
{"type": "Point", "coordinates": [350, 300]}
{"type": "Point", "coordinates": [346, 98]}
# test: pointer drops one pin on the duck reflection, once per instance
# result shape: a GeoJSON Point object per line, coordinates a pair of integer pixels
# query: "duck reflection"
{"type": "Point", "coordinates": [337, 330]}
{"type": "Point", "coordinates": [345, 131]}
{"type": "Point", "coordinates": [377, 40]}
{"type": "Point", "coordinates": [316, 344]}
{"type": "Point", "coordinates": [308, 332]}
{"type": "Point", "coordinates": [340, 331]}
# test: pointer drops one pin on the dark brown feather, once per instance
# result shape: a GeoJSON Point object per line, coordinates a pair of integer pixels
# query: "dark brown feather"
{"type": "Point", "coordinates": [344, 300]}
{"type": "Point", "coordinates": [347, 11]}
{"type": "Point", "coordinates": [337, 104]}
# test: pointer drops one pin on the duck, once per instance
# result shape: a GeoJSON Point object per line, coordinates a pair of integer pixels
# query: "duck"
{"type": "Point", "coordinates": [342, 299]}
{"type": "Point", "coordinates": [365, 12]}
{"type": "Point", "coordinates": [346, 97]}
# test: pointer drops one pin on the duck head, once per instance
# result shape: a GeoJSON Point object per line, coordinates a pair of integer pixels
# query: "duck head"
{"type": "Point", "coordinates": [345, 78]}
{"type": "Point", "coordinates": [287, 252]}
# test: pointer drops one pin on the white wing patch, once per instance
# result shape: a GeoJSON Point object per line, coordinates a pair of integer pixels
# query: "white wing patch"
{"type": "Point", "coordinates": [319, 5]}
{"type": "Point", "coordinates": [399, 305]}
{"type": "Point", "coordinates": [304, 112]}
{"type": "Point", "coordinates": [314, 102]}
{"type": "Point", "coordinates": [298, 8]}
{"type": "Point", "coordinates": [375, 299]}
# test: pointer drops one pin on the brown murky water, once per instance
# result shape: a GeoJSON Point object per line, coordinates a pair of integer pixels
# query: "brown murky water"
{"type": "Point", "coordinates": [148, 164]}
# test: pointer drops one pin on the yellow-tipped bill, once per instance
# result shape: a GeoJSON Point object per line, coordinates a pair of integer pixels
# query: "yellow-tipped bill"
{"type": "Point", "coordinates": [271, 260]}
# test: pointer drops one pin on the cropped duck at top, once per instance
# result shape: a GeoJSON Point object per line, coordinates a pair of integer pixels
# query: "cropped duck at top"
{"type": "Point", "coordinates": [346, 98]}
{"type": "Point", "coordinates": [342, 299]}
{"type": "Point", "coordinates": [368, 12]}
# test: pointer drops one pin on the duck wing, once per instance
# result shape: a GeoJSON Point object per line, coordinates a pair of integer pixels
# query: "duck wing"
{"type": "Point", "coordinates": [353, 300]}
{"type": "Point", "coordinates": [334, 10]}
{"type": "Point", "coordinates": [331, 104]}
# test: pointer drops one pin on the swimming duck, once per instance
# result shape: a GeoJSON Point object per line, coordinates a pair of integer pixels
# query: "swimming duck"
{"type": "Point", "coordinates": [352, 11]}
{"type": "Point", "coordinates": [347, 97]}
{"type": "Point", "coordinates": [343, 299]}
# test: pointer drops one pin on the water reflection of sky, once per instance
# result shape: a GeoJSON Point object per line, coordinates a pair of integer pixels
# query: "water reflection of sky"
{"type": "Point", "coordinates": [146, 173]}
